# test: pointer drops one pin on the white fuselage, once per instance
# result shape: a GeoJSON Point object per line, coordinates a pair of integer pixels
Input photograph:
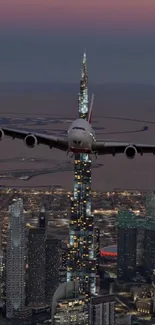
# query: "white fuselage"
{"type": "Point", "coordinates": [81, 136]}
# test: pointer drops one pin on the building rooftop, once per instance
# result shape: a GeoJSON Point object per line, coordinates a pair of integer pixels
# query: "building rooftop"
{"type": "Point", "coordinates": [102, 299]}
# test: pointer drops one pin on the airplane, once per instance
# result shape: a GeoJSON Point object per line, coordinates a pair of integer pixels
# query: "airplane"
{"type": "Point", "coordinates": [80, 139]}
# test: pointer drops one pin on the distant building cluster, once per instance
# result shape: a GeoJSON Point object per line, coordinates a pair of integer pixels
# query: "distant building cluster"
{"type": "Point", "coordinates": [32, 264]}
{"type": "Point", "coordinates": [135, 246]}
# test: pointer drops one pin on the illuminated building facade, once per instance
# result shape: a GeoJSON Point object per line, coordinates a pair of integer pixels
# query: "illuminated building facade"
{"type": "Point", "coordinates": [141, 225]}
{"type": "Point", "coordinates": [150, 206]}
{"type": "Point", "coordinates": [81, 258]}
{"type": "Point", "coordinates": [15, 260]}
{"type": "Point", "coordinates": [126, 246]}
{"type": "Point", "coordinates": [3, 239]}
{"type": "Point", "coordinates": [37, 262]}
{"type": "Point", "coordinates": [52, 265]}
{"type": "Point", "coordinates": [135, 246]}
{"type": "Point", "coordinates": [68, 307]}
{"type": "Point", "coordinates": [153, 286]}
{"type": "Point", "coordinates": [1, 278]}
{"type": "Point", "coordinates": [36, 267]}
{"type": "Point", "coordinates": [71, 311]}
{"type": "Point", "coordinates": [63, 265]}
{"type": "Point", "coordinates": [144, 305]}
{"type": "Point", "coordinates": [43, 264]}
{"type": "Point", "coordinates": [97, 247]}
{"type": "Point", "coordinates": [149, 248]}
{"type": "Point", "coordinates": [102, 310]}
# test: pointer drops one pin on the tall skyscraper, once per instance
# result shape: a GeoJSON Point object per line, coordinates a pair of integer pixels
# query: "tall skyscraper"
{"type": "Point", "coordinates": [141, 225]}
{"type": "Point", "coordinates": [97, 247]}
{"type": "Point", "coordinates": [126, 246]}
{"type": "Point", "coordinates": [149, 248]}
{"type": "Point", "coordinates": [43, 264]}
{"type": "Point", "coordinates": [36, 262]}
{"type": "Point", "coordinates": [36, 267]}
{"type": "Point", "coordinates": [15, 261]}
{"type": "Point", "coordinates": [81, 259]}
{"type": "Point", "coordinates": [52, 265]}
{"type": "Point", "coordinates": [149, 238]}
{"type": "Point", "coordinates": [63, 265]}
{"type": "Point", "coordinates": [150, 206]}
{"type": "Point", "coordinates": [1, 278]}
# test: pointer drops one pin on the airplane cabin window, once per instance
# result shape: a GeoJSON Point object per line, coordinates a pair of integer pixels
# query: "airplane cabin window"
{"type": "Point", "coordinates": [78, 128]}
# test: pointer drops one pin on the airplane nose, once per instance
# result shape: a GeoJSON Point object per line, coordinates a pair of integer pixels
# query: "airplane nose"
{"type": "Point", "coordinates": [77, 141]}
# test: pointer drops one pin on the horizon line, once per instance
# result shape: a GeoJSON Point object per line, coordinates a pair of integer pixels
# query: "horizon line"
{"type": "Point", "coordinates": [125, 83]}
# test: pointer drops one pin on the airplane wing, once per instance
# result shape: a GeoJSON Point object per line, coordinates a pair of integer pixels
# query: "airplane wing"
{"type": "Point", "coordinates": [48, 140]}
{"type": "Point", "coordinates": [113, 148]}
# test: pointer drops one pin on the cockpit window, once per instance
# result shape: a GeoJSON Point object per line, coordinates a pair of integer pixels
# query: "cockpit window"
{"type": "Point", "coordinates": [78, 128]}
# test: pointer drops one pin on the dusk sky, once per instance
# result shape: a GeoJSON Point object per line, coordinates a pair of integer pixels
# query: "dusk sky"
{"type": "Point", "coordinates": [43, 40]}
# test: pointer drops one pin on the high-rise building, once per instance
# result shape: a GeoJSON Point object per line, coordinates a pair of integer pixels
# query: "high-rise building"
{"type": "Point", "coordinates": [36, 262]}
{"type": "Point", "coordinates": [97, 247]}
{"type": "Point", "coordinates": [3, 243]}
{"type": "Point", "coordinates": [126, 246]}
{"type": "Point", "coordinates": [81, 259]}
{"type": "Point", "coordinates": [52, 265]}
{"type": "Point", "coordinates": [149, 238]}
{"type": "Point", "coordinates": [153, 285]}
{"type": "Point", "coordinates": [43, 264]}
{"type": "Point", "coordinates": [150, 206]}
{"type": "Point", "coordinates": [63, 265]}
{"type": "Point", "coordinates": [1, 263]}
{"type": "Point", "coordinates": [1, 278]}
{"type": "Point", "coordinates": [149, 248]}
{"type": "Point", "coordinates": [15, 261]}
{"type": "Point", "coordinates": [135, 246]}
{"type": "Point", "coordinates": [141, 225]}
{"type": "Point", "coordinates": [36, 267]}
{"type": "Point", "coordinates": [102, 310]}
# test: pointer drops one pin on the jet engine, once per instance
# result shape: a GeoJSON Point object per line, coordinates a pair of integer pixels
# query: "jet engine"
{"type": "Point", "coordinates": [130, 152]}
{"type": "Point", "coordinates": [1, 134]}
{"type": "Point", "coordinates": [31, 141]}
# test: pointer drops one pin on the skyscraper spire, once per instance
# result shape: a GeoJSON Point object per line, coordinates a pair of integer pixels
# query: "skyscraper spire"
{"type": "Point", "coordinates": [84, 70]}
{"type": "Point", "coordinates": [84, 61]}
{"type": "Point", "coordinates": [42, 218]}
{"type": "Point", "coordinates": [83, 95]}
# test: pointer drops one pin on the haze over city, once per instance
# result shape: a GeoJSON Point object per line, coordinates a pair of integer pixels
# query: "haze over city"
{"type": "Point", "coordinates": [43, 42]}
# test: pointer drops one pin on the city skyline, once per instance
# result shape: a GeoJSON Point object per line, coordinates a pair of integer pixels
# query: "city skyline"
{"type": "Point", "coordinates": [132, 223]}
{"type": "Point", "coordinates": [69, 254]}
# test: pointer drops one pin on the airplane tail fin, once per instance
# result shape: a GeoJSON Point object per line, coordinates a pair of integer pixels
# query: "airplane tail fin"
{"type": "Point", "coordinates": [90, 109]}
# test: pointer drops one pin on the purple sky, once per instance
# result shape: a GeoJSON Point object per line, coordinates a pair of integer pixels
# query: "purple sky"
{"type": "Point", "coordinates": [43, 40]}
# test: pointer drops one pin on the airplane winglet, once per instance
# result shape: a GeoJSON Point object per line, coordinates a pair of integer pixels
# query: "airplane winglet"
{"type": "Point", "coordinates": [90, 109]}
